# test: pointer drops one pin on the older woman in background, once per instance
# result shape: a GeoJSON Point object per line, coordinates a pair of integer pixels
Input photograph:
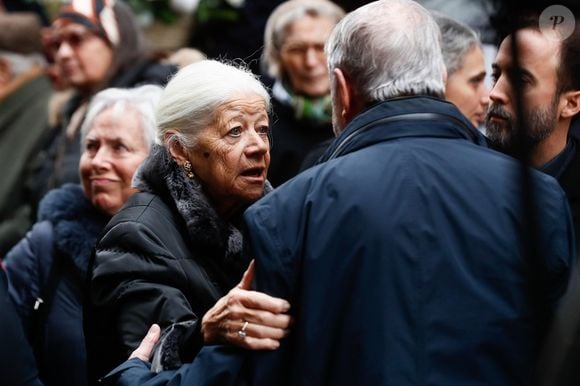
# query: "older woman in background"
{"type": "Point", "coordinates": [176, 248]}
{"type": "Point", "coordinates": [463, 56]}
{"type": "Point", "coordinates": [294, 56]}
{"type": "Point", "coordinates": [47, 269]}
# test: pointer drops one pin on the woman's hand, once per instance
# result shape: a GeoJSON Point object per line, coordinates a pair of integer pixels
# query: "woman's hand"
{"type": "Point", "coordinates": [245, 318]}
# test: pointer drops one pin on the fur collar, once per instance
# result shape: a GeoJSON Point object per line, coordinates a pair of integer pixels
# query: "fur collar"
{"type": "Point", "coordinates": [76, 222]}
{"type": "Point", "coordinates": [161, 175]}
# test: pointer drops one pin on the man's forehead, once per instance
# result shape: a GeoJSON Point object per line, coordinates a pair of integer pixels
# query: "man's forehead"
{"type": "Point", "coordinates": [535, 51]}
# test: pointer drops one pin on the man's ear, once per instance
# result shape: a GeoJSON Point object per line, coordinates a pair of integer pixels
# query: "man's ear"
{"type": "Point", "coordinates": [571, 104]}
{"type": "Point", "coordinates": [348, 103]}
{"type": "Point", "coordinates": [175, 147]}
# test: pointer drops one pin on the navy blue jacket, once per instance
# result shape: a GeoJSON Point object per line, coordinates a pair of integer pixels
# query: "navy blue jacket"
{"type": "Point", "coordinates": [16, 356]}
{"type": "Point", "coordinates": [64, 236]}
{"type": "Point", "coordinates": [404, 258]}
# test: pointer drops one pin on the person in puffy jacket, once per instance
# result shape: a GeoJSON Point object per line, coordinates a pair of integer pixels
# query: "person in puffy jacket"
{"type": "Point", "coordinates": [47, 268]}
{"type": "Point", "coordinates": [173, 253]}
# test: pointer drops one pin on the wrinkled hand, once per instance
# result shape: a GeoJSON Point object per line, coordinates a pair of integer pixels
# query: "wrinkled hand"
{"type": "Point", "coordinates": [145, 349]}
{"type": "Point", "coordinates": [265, 315]}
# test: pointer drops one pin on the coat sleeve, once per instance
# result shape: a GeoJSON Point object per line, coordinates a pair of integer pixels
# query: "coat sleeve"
{"type": "Point", "coordinates": [18, 364]}
{"type": "Point", "coordinates": [213, 366]}
{"type": "Point", "coordinates": [26, 266]}
{"type": "Point", "coordinates": [557, 246]}
{"type": "Point", "coordinates": [561, 351]}
{"type": "Point", "coordinates": [135, 282]}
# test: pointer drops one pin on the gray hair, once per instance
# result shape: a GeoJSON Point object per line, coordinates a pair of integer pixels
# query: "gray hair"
{"type": "Point", "coordinates": [279, 21]}
{"type": "Point", "coordinates": [388, 48]}
{"type": "Point", "coordinates": [457, 40]}
{"type": "Point", "coordinates": [191, 97]}
{"type": "Point", "coordinates": [20, 63]}
{"type": "Point", "coordinates": [143, 100]}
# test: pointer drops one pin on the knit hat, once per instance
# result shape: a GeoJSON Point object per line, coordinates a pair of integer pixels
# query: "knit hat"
{"type": "Point", "coordinates": [97, 15]}
{"type": "Point", "coordinates": [20, 32]}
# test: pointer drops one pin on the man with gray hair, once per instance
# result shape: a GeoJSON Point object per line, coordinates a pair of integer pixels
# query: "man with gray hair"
{"type": "Point", "coordinates": [24, 95]}
{"type": "Point", "coordinates": [404, 253]}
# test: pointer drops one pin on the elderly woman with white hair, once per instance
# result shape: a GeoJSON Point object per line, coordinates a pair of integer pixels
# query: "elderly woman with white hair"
{"type": "Point", "coordinates": [47, 268]}
{"type": "Point", "coordinates": [294, 56]}
{"type": "Point", "coordinates": [172, 253]}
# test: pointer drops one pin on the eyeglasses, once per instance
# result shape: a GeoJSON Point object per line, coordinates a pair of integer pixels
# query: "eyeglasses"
{"type": "Point", "coordinates": [74, 39]}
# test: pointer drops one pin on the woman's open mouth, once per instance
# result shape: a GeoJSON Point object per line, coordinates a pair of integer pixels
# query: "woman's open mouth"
{"type": "Point", "coordinates": [256, 172]}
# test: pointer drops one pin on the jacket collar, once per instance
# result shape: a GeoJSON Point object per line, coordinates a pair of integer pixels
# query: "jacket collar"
{"type": "Point", "coordinates": [76, 222]}
{"type": "Point", "coordinates": [404, 117]}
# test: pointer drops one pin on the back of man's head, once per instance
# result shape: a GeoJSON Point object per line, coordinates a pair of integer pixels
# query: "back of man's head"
{"type": "Point", "coordinates": [387, 49]}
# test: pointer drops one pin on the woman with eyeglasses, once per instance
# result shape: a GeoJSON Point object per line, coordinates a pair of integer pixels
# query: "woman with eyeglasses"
{"type": "Point", "coordinates": [94, 44]}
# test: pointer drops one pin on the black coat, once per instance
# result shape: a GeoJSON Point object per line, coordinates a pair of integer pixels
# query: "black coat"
{"type": "Point", "coordinates": [18, 365]}
{"type": "Point", "coordinates": [570, 182]}
{"type": "Point", "coordinates": [563, 349]}
{"type": "Point", "coordinates": [165, 257]}
{"type": "Point", "coordinates": [51, 263]}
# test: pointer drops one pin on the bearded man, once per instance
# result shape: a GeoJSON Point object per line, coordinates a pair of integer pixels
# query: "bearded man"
{"type": "Point", "coordinates": [550, 90]}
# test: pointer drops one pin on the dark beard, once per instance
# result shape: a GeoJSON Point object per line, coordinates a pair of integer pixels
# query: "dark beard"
{"type": "Point", "coordinates": [504, 137]}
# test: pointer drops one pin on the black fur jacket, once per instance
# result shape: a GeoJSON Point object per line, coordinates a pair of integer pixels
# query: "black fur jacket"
{"type": "Point", "coordinates": [166, 257]}
{"type": "Point", "coordinates": [161, 175]}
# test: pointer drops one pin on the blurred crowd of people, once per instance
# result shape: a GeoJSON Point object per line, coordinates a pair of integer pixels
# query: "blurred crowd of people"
{"type": "Point", "coordinates": [312, 192]}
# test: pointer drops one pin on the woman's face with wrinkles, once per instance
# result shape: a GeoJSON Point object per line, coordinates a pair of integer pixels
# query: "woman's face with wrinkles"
{"type": "Point", "coordinates": [113, 149]}
{"type": "Point", "coordinates": [231, 156]}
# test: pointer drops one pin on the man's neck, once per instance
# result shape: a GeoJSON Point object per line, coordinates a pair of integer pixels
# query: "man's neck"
{"type": "Point", "coordinates": [549, 148]}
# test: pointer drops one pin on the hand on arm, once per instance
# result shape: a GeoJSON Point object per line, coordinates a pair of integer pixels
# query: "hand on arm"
{"type": "Point", "coordinates": [265, 315]}
{"type": "Point", "coordinates": [267, 321]}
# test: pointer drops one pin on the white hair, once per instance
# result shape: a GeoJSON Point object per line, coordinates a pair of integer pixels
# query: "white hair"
{"type": "Point", "coordinates": [388, 48]}
{"type": "Point", "coordinates": [142, 100]}
{"type": "Point", "coordinates": [281, 18]}
{"type": "Point", "coordinates": [20, 63]}
{"type": "Point", "coordinates": [457, 40]}
{"type": "Point", "coordinates": [190, 99]}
